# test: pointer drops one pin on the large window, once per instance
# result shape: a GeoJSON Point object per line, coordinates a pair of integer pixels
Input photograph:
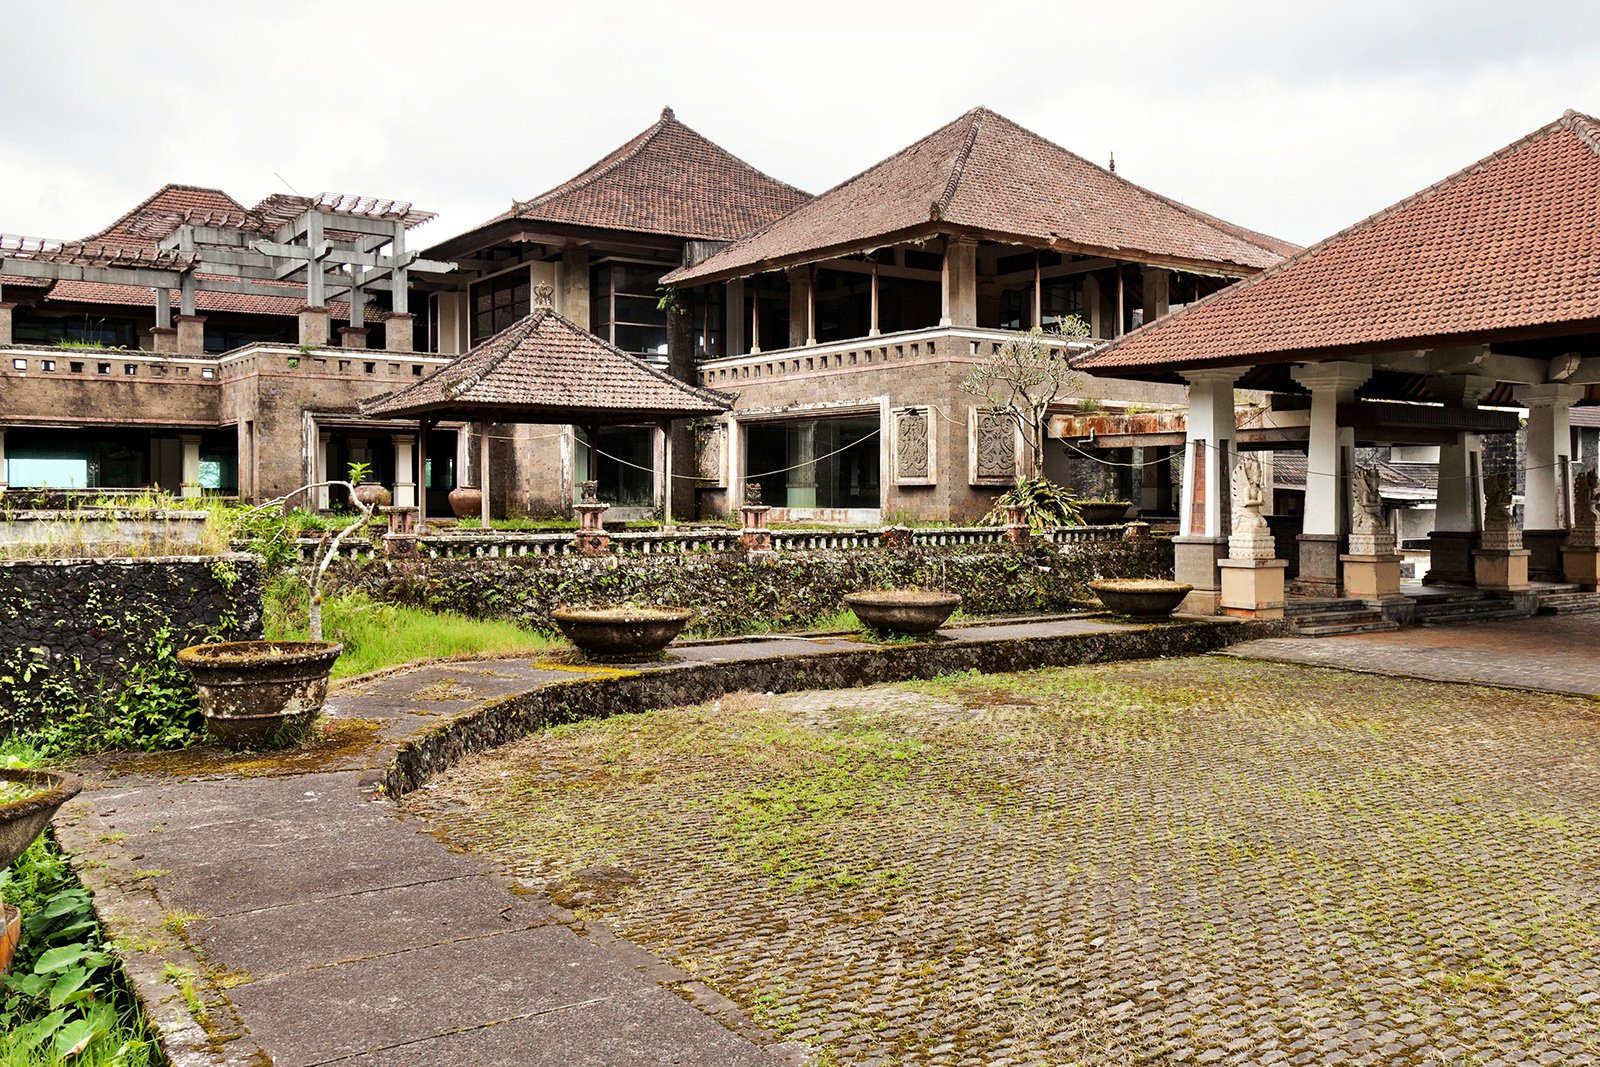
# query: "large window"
{"type": "Point", "coordinates": [501, 301]}
{"type": "Point", "coordinates": [815, 463]}
{"type": "Point", "coordinates": [625, 307]}
{"type": "Point", "coordinates": [625, 465]}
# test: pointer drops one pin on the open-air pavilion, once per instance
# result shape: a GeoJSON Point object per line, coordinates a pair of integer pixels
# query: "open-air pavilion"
{"type": "Point", "coordinates": [1431, 322]}
{"type": "Point", "coordinates": [545, 369]}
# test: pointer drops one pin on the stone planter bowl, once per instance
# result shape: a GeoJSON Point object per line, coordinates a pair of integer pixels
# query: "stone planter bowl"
{"type": "Point", "coordinates": [1141, 598]}
{"type": "Point", "coordinates": [23, 820]}
{"type": "Point", "coordinates": [903, 611]}
{"type": "Point", "coordinates": [260, 694]}
{"type": "Point", "coordinates": [1103, 512]}
{"type": "Point", "coordinates": [623, 633]}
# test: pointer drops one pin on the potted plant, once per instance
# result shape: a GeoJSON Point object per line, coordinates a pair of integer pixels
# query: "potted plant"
{"type": "Point", "coordinates": [620, 633]}
{"type": "Point", "coordinates": [370, 493]}
{"type": "Point", "coordinates": [903, 611]}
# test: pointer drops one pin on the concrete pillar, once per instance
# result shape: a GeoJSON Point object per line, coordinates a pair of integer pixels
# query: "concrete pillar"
{"type": "Point", "coordinates": [452, 324]}
{"type": "Point", "coordinates": [5, 479]}
{"type": "Point", "coordinates": [1156, 299]}
{"type": "Point", "coordinates": [353, 337]}
{"type": "Point", "coordinates": [802, 315]}
{"type": "Point", "coordinates": [1458, 511]}
{"type": "Point", "coordinates": [872, 320]}
{"type": "Point", "coordinates": [405, 466]}
{"type": "Point", "coordinates": [1329, 461]}
{"type": "Point", "coordinates": [802, 487]}
{"type": "Point", "coordinates": [399, 332]}
{"type": "Point", "coordinates": [959, 283]}
{"type": "Point", "coordinates": [324, 468]}
{"type": "Point", "coordinates": [162, 340]}
{"type": "Point", "coordinates": [1092, 302]}
{"type": "Point", "coordinates": [314, 326]}
{"type": "Point", "coordinates": [191, 464]}
{"type": "Point", "coordinates": [1547, 475]}
{"type": "Point", "coordinates": [484, 510]}
{"type": "Point", "coordinates": [733, 314]}
{"type": "Point", "coordinates": [574, 284]}
{"type": "Point", "coordinates": [1207, 463]}
{"type": "Point", "coordinates": [191, 335]}
{"type": "Point", "coordinates": [6, 334]}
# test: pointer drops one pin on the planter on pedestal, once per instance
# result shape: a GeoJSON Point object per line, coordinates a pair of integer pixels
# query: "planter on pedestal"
{"type": "Point", "coordinates": [623, 633]}
{"type": "Point", "coordinates": [260, 694]}
{"type": "Point", "coordinates": [903, 611]}
{"type": "Point", "coordinates": [1141, 598]}
{"type": "Point", "coordinates": [1103, 512]}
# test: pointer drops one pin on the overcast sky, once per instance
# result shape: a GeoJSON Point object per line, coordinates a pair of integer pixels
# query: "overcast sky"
{"type": "Point", "coordinates": [1293, 118]}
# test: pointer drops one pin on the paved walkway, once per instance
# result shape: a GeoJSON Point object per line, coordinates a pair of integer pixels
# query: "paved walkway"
{"type": "Point", "coordinates": [1546, 653]}
{"type": "Point", "coordinates": [271, 914]}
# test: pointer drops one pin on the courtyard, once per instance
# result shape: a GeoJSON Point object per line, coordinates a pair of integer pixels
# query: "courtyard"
{"type": "Point", "coordinates": [1201, 859]}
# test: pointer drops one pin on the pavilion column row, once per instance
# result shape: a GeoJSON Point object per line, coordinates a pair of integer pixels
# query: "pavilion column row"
{"type": "Point", "coordinates": [1330, 462]}
{"type": "Point", "coordinates": [1547, 475]}
{"type": "Point", "coordinates": [1203, 519]}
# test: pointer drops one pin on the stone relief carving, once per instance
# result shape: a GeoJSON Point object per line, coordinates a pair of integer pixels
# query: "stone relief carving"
{"type": "Point", "coordinates": [708, 448]}
{"type": "Point", "coordinates": [1499, 532]}
{"type": "Point", "coordinates": [996, 447]}
{"type": "Point", "coordinates": [1251, 538]}
{"type": "Point", "coordinates": [912, 448]}
{"type": "Point", "coordinates": [1369, 534]}
{"type": "Point", "coordinates": [1586, 509]}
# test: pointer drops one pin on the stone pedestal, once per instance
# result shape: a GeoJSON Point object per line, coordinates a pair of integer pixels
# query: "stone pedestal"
{"type": "Point", "coordinates": [1320, 572]}
{"type": "Point", "coordinates": [1252, 588]}
{"type": "Point", "coordinates": [191, 334]}
{"type": "Point", "coordinates": [896, 536]}
{"type": "Point", "coordinates": [1500, 570]}
{"type": "Point", "coordinates": [163, 339]}
{"type": "Point", "coordinates": [353, 337]}
{"type": "Point", "coordinates": [1194, 561]}
{"type": "Point", "coordinates": [1581, 565]}
{"type": "Point", "coordinates": [314, 326]}
{"type": "Point", "coordinates": [1450, 557]}
{"type": "Point", "coordinates": [1544, 553]}
{"type": "Point", "coordinates": [753, 533]}
{"type": "Point", "coordinates": [1017, 530]}
{"type": "Point", "coordinates": [399, 332]}
{"type": "Point", "coordinates": [591, 538]}
{"type": "Point", "coordinates": [1375, 577]}
{"type": "Point", "coordinates": [400, 538]}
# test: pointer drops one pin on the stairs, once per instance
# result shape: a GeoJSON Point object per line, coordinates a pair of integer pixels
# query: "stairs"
{"type": "Point", "coordinates": [1464, 605]}
{"type": "Point", "coordinates": [1329, 617]}
{"type": "Point", "coordinates": [1567, 600]}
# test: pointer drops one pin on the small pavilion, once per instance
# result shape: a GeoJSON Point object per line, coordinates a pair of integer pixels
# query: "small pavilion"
{"type": "Point", "coordinates": [545, 369]}
{"type": "Point", "coordinates": [1431, 323]}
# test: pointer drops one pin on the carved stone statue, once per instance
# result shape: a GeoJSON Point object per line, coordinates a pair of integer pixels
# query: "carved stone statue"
{"type": "Point", "coordinates": [544, 295]}
{"type": "Point", "coordinates": [1499, 532]}
{"type": "Point", "coordinates": [1586, 509]}
{"type": "Point", "coordinates": [1250, 538]}
{"type": "Point", "coordinates": [1369, 534]}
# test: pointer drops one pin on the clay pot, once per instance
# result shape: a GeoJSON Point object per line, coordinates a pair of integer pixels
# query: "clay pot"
{"type": "Point", "coordinates": [22, 820]}
{"type": "Point", "coordinates": [10, 936]}
{"type": "Point", "coordinates": [1141, 598]}
{"type": "Point", "coordinates": [903, 611]}
{"type": "Point", "coordinates": [466, 502]}
{"type": "Point", "coordinates": [374, 495]}
{"type": "Point", "coordinates": [619, 634]}
{"type": "Point", "coordinates": [260, 694]}
{"type": "Point", "coordinates": [1103, 512]}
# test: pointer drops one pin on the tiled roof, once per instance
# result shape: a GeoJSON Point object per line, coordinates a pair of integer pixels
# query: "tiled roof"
{"type": "Point", "coordinates": [544, 368]}
{"type": "Point", "coordinates": [983, 172]}
{"type": "Point", "coordinates": [1504, 248]}
{"type": "Point", "coordinates": [204, 299]}
{"type": "Point", "coordinates": [163, 211]}
{"type": "Point", "coordinates": [667, 180]}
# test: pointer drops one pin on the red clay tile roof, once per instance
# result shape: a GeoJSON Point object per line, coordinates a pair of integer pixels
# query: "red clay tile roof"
{"type": "Point", "coordinates": [544, 368]}
{"type": "Point", "coordinates": [204, 300]}
{"type": "Point", "coordinates": [668, 180]}
{"type": "Point", "coordinates": [983, 172]}
{"type": "Point", "coordinates": [161, 212]}
{"type": "Point", "coordinates": [1506, 248]}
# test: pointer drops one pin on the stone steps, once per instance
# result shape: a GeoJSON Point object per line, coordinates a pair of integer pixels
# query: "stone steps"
{"type": "Point", "coordinates": [1568, 602]}
{"type": "Point", "coordinates": [1465, 606]}
{"type": "Point", "coordinates": [1328, 617]}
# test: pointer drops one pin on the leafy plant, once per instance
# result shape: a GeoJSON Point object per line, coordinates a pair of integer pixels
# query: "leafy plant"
{"type": "Point", "coordinates": [358, 472]}
{"type": "Point", "coordinates": [1043, 503]}
{"type": "Point", "coordinates": [1024, 377]}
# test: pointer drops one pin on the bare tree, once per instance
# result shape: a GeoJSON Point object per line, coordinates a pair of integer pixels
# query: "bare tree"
{"type": "Point", "coordinates": [329, 550]}
{"type": "Point", "coordinates": [1024, 377]}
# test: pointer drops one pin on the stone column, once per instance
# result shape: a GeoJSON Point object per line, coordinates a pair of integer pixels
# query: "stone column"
{"type": "Point", "coordinates": [733, 314]}
{"type": "Point", "coordinates": [191, 464]}
{"type": "Point", "coordinates": [399, 331]}
{"type": "Point", "coordinates": [801, 313]}
{"type": "Point", "coordinates": [353, 337]}
{"type": "Point", "coordinates": [191, 334]}
{"type": "Point", "coordinates": [1328, 462]}
{"type": "Point", "coordinates": [405, 465]}
{"type": "Point", "coordinates": [959, 289]}
{"type": "Point", "coordinates": [163, 340]}
{"type": "Point", "coordinates": [6, 334]}
{"type": "Point", "coordinates": [872, 317]}
{"type": "Point", "coordinates": [323, 471]}
{"type": "Point", "coordinates": [1157, 281]}
{"type": "Point", "coordinates": [1547, 496]}
{"type": "Point", "coordinates": [574, 279]}
{"type": "Point", "coordinates": [5, 479]}
{"type": "Point", "coordinates": [1203, 521]}
{"type": "Point", "coordinates": [1457, 516]}
{"type": "Point", "coordinates": [802, 487]}
{"type": "Point", "coordinates": [314, 326]}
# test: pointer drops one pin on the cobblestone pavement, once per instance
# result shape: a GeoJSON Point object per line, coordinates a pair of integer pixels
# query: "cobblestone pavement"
{"type": "Point", "coordinates": [1188, 861]}
{"type": "Point", "coordinates": [1550, 653]}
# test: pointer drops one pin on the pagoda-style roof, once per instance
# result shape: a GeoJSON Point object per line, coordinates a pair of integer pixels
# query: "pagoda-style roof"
{"type": "Point", "coordinates": [544, 368]}
{"type": "Point", "coordinates": [986, 176]}
{"type": "Point", "coordinates": [668, 180]}
{"type": "Point", "coordinates": [1506, 250]}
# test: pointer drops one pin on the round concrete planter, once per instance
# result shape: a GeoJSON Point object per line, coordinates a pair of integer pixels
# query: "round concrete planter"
{"type": "Point", "coordinates": [22, 820]}
{"type": "Point", "coordinates": [903, 611]}
{"type": "Point", "coordinates": [260, 694]}
{"type": "Point", "coordinates": [1141, 598]}
{"type": "Point", "coordinates": [466, 502]}
{"type": "Point", "coordinates": [1103, 512]}
{"type": "Point", "coordinates": [619, 634]}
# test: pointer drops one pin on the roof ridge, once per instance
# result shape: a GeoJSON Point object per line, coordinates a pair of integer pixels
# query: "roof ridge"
{"type": "Point", "coordinates": [1584, 127]}
{"type": "Point", "coordinates": [522, 327]}
{"type": "Point", "coordinates": [702, 393]}
{"type": "Point", "coordinates": [1359, 226]}
{"type": "Point", "coordinates": [147, 201]}
{"type": "Point", "coordinates": [941, 206]}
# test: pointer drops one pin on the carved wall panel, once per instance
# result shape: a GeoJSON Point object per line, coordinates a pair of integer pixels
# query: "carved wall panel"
{"type": "Point", "coordinates": [992, 451]}
{"type": "Point", "coordinates": [913, 457]}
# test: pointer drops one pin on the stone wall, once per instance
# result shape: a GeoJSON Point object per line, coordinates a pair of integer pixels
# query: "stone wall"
{"type": "Point", "coordinates": [735, 594]}
{"type": "Point", "coordinates": [101, 611]}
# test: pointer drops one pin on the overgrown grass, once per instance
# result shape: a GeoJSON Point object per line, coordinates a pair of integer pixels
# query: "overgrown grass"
{"type": "Point", "coordinates": [377, 635]}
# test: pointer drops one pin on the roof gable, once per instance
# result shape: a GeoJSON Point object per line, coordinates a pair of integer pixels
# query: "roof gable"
{"type": "Point", "coordinates": [163, 211]}
{"type": "Point", "coordinates": [985, 172]}
{"type": "Point", "coordinates": [1510, 243]}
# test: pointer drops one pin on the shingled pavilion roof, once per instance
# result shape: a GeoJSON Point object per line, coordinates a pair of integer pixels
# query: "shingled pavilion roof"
{"type": "Point", "coordinates": [1507, 249]}
{"type": "Point", "coordinates": [544, 368]}
{"type": "Point", "coordinates": [668, 180]}
{"type": "Point", "coordinates": [983, 174]}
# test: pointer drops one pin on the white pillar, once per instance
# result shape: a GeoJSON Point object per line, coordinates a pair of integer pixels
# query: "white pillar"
{"type": "Point", "coordinates": [872, 320]}
{"type": "Point", "coordinates": [483, 474]}
{"type": "Point", "coordinates": [4, 478]}
{"type": "Point", "coordinates": [405, 489]}
{"type": "Point", "coordinates": [802, 488]}
{"type": "Point", "coordinates": [323, 470]}
{"type": "Point", "coordinates": [1207, 453]}
{"type": "Point", "coordinates": [1546, 496]}
{"type": "Point", "coordinates": [191, 464]}
{"type": "Point", "coordinates": [666, 473]}
{"type": "Point", "coordinates": [1458, 508]}
{"type": "Point", "coordinates": [959, 288]}
{"type": "Point", "coordinates": [733, 312]}
{"type": "Point", "coordinates": [1329, 447]}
